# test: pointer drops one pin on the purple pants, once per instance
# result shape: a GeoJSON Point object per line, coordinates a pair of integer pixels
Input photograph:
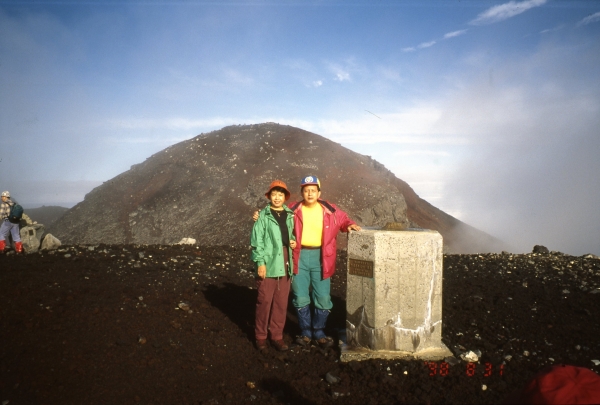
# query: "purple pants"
{"type": "Point", "coordinates": [8, 227]}
{"type": "Point", "coordinates": [271, 306]}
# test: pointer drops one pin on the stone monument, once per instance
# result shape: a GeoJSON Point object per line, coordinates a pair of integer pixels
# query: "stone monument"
{"type": "Point", "coordinates": [394, 295]}
{"type": "Point", "coordinates": [31, 237]}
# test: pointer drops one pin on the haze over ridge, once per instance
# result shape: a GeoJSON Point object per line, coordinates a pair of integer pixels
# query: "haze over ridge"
{"type": "Point", "coordinates": [208, 187]}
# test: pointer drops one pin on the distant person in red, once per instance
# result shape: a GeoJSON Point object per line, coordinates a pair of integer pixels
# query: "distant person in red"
{"type": "Point", "coordinates": [272, 242]}
{"type": "Point", "coordinates": [560, 384]}
{"type": "Point", "coordinates": [316, 226]}
{"type": "Point", "coordinates": [6, 226]}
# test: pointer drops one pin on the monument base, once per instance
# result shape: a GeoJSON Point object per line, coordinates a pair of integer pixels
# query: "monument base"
{"type": "Point", "coordinates": [359, 353]}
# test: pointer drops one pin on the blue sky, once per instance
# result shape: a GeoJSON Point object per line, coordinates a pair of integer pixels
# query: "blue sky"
{"type": "Point", "coordinates": [488, 109]}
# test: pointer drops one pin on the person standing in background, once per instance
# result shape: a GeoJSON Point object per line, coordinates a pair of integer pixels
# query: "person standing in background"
{"type": "Point", "coordinates": [6, 226]}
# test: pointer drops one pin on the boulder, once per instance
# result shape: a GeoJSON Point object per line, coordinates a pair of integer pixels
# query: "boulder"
{"type": "Point", "coordinates": [50, 242]}
{"type": "Point", "coordinates": [25, 221]}
{"type": "Point", "coordinates": [31, 237]}
{"type": "Point", "coordinates": [187, 241]}
{"type": "Point", "coordinates": [540, 249]}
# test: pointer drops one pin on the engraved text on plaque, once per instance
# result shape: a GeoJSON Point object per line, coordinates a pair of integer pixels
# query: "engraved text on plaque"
{"type": "Point", "coordinates": [362, 268]}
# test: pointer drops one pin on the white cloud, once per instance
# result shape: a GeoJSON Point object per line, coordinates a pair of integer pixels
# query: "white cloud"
{"type": "Point", "coordinates": [179, 123]}
{"type": "Point", "coordinates": [546, 31]}
{"type": "Point", "coordinates": [161, 140]}
{"type": "Point", "coordinates": [454, 34]}
{"type": "Point", "coordinates": [590, 19]}
{"type": "Point", "coordinates": [236, 77]}
{"type": "Point", "coordinates": [422, 45]}
{"type": "Point", "coordinates": [422, 152]}
{"type": "Point", "coordinates": [305, 73]}
{"type": "Point", "coordinates": [341, 75]}
{"type": "Point", "coordinates": [187, 85]}
{"type": "Point", "coordinates": [417, 125]}
{"type": "Point", "coordinates": [391, 74]}
{"type": "Point", "coordinates": [426, 44]}
{"type": "Point", "coordinates": [504, 11]}
{"type": "Point", "coordinates": [342, 70]}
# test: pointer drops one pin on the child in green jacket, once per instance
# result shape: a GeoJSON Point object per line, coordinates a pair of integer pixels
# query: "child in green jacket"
{"type": "Point", "coordinates": [272, 242]}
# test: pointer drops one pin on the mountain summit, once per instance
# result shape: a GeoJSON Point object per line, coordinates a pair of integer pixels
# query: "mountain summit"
{"type": "Point", "coordinates": [207, 187]}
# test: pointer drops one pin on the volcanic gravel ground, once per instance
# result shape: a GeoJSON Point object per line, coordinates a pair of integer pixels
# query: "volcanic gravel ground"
{"type": "Point", "coordinates": [174, 325]}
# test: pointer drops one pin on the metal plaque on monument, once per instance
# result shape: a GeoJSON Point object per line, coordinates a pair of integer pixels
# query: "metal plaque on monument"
{"type": "Point", "coordinates": [394, 295]}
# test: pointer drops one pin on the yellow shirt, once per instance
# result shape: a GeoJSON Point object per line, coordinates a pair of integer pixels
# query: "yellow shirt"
{"type": "Point", "coordinates": [312, 225]}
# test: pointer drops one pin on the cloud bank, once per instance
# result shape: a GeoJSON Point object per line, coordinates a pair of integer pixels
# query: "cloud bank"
{"type": "Point", "coordinates": [530, 176]}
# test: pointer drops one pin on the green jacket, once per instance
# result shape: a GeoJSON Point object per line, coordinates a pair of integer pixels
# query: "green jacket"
{"type": "Point", "coordinates": [267, 245]}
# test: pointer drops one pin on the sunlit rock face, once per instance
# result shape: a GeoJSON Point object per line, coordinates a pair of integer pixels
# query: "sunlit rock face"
{"type": "Point", "coordinates": [206, 188]}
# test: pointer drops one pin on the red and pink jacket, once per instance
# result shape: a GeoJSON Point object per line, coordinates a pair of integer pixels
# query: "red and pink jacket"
{"type": "Point", "coordinates": [334, 220]}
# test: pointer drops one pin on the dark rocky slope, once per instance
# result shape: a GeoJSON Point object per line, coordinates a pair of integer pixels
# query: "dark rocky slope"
{"type": "Point", "coordinates": [207, 187]}
{"type": "Point", "coordinates": [104, 325]}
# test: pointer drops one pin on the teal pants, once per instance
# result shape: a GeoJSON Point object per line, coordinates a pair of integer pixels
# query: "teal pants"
{"type": "Point", "coordinates": [310, 275]}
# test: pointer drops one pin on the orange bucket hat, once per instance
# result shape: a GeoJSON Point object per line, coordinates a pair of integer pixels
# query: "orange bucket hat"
{"type": "Point", "coordinates": [278, 183]}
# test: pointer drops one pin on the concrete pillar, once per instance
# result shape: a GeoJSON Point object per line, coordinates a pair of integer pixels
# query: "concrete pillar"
{"type": "Point", "coordinates": [394, 295]}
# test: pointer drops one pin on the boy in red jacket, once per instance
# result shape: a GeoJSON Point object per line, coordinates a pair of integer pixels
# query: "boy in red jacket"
{"type": "Point", "coordinates": [316, 225]}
